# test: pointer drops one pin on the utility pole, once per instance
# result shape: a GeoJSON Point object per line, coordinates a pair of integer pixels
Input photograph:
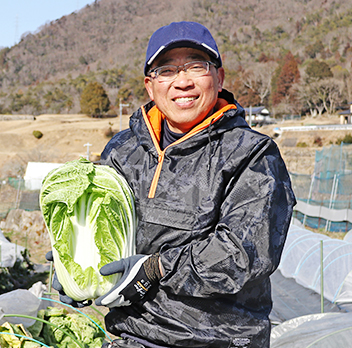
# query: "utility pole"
{"type": "Point", "coordinates": [250, 116]}
{"type": "Point", "coordinates": [88, 145]}
{"type": "Point", "coordinates": [121, 106]}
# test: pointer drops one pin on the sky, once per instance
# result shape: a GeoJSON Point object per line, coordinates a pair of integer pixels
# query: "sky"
{"type": "Point", "coordinates": [21, 16]}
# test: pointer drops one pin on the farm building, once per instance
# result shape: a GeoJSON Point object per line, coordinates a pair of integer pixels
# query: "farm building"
{"type": "Point", "coordinates": [258, 115]}
{"type": "Point", "coordinates": [346, 116]}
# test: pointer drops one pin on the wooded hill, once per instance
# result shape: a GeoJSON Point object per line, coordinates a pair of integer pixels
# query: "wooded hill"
{"type": "Point", "coordinates": [293, 56]}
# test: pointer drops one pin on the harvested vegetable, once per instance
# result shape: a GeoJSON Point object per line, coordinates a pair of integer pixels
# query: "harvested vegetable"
{"type": "Point", "coordinates": [16, 336]}
{"type": "Point", "coordinates": [78, 328]}
{"type": "Point", "coordinates": [84, 330]}
{"type": "Point", "coordinates": [89, 213]}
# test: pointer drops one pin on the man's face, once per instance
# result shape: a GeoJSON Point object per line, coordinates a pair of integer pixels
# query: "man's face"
{"type": "Point", "coordinates": [185, 101]}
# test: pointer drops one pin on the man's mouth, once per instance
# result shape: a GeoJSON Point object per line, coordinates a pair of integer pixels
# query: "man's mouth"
{"type": "Point", "coordinates": [184, 99]}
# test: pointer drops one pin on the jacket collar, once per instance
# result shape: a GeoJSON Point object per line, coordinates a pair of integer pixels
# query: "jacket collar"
{"type": "Point", "coordinates": [148, 131]}
{"type": "Point", "coordinates": [226, 101]}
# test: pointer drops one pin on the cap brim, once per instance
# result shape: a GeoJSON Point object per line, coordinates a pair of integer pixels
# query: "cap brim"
{"type": "Point", "coordinates": [182, 43]}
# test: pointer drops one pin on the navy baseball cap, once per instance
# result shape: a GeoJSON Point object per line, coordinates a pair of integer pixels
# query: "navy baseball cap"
{"type": "Point", "coordinates": [181, 34]}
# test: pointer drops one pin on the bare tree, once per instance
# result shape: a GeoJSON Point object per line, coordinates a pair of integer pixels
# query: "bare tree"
{"type": "Point", "coordinates": [329, 92]}
{"type": "Point", "coordinates": [335, 95]}
{"type": "Point", "coordinates": [305, 98]}
{"type": "Point", "coordinates": [320, 95]}
{"type": "Point", "coordinates": [258, 78]}
{"type": "Point", "coordinates": [348, 83]}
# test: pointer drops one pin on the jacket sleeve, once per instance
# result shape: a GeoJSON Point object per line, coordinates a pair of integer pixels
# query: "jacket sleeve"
{"type": "Point", "coordinates": [247, 242]}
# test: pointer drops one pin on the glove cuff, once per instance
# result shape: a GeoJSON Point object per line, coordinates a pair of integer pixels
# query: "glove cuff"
{"type": "Point", "coordinates": [151, 268]}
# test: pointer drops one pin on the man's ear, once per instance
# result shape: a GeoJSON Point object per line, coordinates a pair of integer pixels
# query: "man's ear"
{"type": "Point", "coordinates": [221, 78]}
{"type": "Point", "coordinates": [149, 87]}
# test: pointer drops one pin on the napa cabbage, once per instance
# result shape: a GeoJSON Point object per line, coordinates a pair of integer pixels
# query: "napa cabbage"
{"type": "Point", "coordinates": [89, 213]}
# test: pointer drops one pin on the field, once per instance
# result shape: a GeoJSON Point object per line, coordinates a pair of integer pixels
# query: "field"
{"type": "Point", "coordinates": [64, 138]}
{"type": "Point", "coordinates": [298, 148]}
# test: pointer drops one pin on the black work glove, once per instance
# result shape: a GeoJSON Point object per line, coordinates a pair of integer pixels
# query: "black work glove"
{"type": "Point", "coordinates": [57, 286]}
{"type": "Point", "coordinates": [139, 274]}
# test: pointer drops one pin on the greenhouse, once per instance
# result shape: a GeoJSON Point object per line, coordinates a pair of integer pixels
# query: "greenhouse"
{"type": "Point", "coordinates": [326, 330]}
{"type": "Point", "coordinates": [312, 291]}
{"type": "Point", "coordinates": [306, 251]}
{"type": "Point", "coordinates": [324, 199]}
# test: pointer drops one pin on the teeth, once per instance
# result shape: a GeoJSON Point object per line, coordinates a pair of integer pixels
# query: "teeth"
{"type": "Point", "coordinates": [184, 99]}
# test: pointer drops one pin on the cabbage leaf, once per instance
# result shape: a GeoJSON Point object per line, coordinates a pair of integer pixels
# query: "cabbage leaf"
{"type": "Point", "coordinates": [89, 212]}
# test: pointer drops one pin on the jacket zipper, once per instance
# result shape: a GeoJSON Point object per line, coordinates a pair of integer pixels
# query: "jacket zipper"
{"type": "Point", "coordinates": [161, 153]}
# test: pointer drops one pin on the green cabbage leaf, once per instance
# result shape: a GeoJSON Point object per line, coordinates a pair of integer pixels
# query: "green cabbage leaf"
{"type": "Point", "coordinates": [89, 212]}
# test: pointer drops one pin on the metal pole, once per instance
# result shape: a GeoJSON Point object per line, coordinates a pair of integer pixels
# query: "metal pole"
{"type": "Point", "coordinates": [120, 107]}
{"type": "Point", "coordinates": [334, 198]}
{"type": "Point", "coordinates": [341, 159]}
{"type": "Point", "coordinates": [309, 197]}
{"type": "Point", "coordinates": [19, 182]}
{"type": "Point", "coordinates": [331, 201]}
{"type": "Point", "coordinates": [250, 116]}
{"type": "Point", "coordinates": [51, 275]}
{"type": "Point", "coordinates": [349, 207]}
{"type": "Point", "coordinates": [321, 277]}
{"type": "Point", "coordinates": [88, 145]}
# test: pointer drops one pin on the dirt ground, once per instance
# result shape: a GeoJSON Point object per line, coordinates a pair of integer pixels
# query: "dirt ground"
{"type": "Point", "coordinates": [64, 139]}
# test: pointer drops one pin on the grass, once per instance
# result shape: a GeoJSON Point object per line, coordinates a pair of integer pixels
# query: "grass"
{"type": "Point", "coordinates": [335, 235]}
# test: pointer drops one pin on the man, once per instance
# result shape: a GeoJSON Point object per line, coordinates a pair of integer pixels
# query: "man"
{"type": "Point", "coordinates": [214, 203]}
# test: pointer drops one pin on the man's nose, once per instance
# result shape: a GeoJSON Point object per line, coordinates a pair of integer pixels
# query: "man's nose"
{"type": "Point", "coordinates": [183, 79]}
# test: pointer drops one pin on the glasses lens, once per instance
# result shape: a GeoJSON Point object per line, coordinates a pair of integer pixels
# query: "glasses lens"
{"type": "Point", "coordinates": [197, 68]}
{"type": "Point", "coordinates": [166, 72]}
{"type": "Point", "coordinates": [169, 72]}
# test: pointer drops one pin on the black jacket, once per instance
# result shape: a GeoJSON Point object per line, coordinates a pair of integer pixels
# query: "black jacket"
{"type": "Point", "coordinates": [217, 208]}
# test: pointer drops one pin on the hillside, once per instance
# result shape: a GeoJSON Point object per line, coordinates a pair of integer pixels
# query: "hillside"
{"type": "Point", "coordinates": [106, 42]}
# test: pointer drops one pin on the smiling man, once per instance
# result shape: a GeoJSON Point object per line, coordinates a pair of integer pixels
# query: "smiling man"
{"type": "Point", "coordinates": [184, 84]}
{"type": "Point", "coordinates": [214, 203]}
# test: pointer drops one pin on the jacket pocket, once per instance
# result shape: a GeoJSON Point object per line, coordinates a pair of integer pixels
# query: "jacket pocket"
{"type": "Point", "coordinates": [174, 218]}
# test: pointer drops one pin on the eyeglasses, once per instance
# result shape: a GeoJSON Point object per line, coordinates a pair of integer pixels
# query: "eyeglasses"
{"type": "Point", "coordinates": [170, 72]}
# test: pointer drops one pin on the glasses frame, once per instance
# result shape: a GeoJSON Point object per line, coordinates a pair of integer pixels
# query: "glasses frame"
{"type": "Point", "coordinates": [179, 68]}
